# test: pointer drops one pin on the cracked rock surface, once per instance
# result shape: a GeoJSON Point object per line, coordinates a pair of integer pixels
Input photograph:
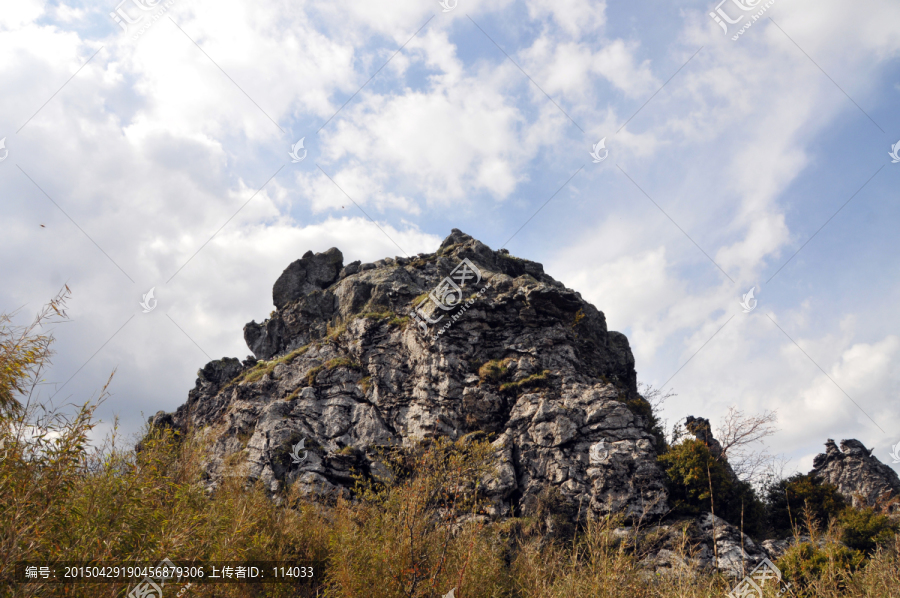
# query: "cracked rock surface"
{"type": "Point", "coordinates": [344, 366]}
{"type": "Point", "coordinates": [702, 544]}
{"type": "Point", "coordinates": [861, 478]}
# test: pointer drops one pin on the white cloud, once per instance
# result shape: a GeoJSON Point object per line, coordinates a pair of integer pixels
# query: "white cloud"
{"type": "Point", "coordinates": [575, 17]}
{"type": "Point", "coordinates": [151, 148]}
{"type": "Point", "coordinates": [458, 137]}
{"type": "Point", "coordinates": [18, 14]}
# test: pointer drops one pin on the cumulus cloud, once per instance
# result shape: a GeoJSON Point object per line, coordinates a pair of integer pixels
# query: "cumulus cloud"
{"type": "Point", "coordinates": [153, 147]}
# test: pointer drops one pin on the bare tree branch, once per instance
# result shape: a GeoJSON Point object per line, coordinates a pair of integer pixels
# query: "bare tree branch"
{"type": "Point", "coordinates": [740, 436]}
{"type": "Point", "coordinates": [655, 396]}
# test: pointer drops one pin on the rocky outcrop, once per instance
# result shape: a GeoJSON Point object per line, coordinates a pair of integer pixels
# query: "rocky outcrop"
{"type": "Point", "coordinates": [303, 281]}
{"type": "Point", "coordinates": [705, 543]}
{"type": "Point", "coordinates": [861, 478]}
{"type": "Point", "coordinates": [310, 273]}
{"type": "Point", "coordinates": [702, 431]}
{"type": "Point", "coordinates": [464, 340]}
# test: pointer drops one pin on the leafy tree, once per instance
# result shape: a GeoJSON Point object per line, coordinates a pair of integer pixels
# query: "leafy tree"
{"type": "Point", "coordinates": [787, 498]}
{"type": "Point", "coordinates": [693, 474]}
{"type": "Point", "coordinates": [699, 482]}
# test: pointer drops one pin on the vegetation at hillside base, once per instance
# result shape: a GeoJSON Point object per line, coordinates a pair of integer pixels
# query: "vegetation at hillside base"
{"type": "Point", "coordinates": [419, 528]}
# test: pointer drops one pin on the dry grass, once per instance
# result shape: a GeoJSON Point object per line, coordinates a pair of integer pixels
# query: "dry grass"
{"type": "Point", "coordinates": [532, 381]}
{"type": "Point", "coordinates": [265, 368]}
{"type": "Point", "coordinates": [418, 530]}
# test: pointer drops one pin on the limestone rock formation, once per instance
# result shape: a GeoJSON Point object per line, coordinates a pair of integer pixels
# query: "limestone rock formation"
{"type": "Point", "coordinates": [860, 477]}
{"type": "Point", "coordinates": [463, 340]}
{"type": "Point", "coordinates": [707, 542]}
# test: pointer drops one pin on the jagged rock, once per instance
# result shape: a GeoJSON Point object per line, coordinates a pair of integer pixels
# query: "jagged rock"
{"type": "Point", "coordinates": [159, 421]}
{"type": "Point", "coordinates": [351, 268]}
{"type": "Point", "coordinates": [162, 420]}
{"type": "Point", "coordinates": [349, 369]}
{"type": "Point", "coordinates": [861, 478]}
{"type": "Point", "coordinates": [265, 340]}
{"type": "Point", "coordinates": [310, 273]}
{"type": "Point", "coordinates": [301, 283]}
{"type": "Point", "coordinates": [702, 431]}
{"type": "Point", "coordinates": [694, 544]}
{"type": "Point", "coordinates": [216, 373]}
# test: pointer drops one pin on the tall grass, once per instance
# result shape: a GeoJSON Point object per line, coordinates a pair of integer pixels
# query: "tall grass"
{"type": "Point", "coordinates": [419, 528]}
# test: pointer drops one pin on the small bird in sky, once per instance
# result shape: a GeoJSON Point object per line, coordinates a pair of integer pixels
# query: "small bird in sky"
{"type": "Point", "coordinates": [42, 226]}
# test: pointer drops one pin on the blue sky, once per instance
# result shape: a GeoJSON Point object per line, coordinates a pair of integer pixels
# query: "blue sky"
{"type": "Point", "coordinates": [726, 157]}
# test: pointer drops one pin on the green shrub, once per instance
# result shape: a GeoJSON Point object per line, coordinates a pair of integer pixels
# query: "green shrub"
{"type": "Point", "coordinates": [399, 321]}
{"type": "Point", "coordinates": [864, 529]}
{"type": "Point", "coordinates": [311, 375]}
{"type": "Point", "coordinates": [332, 333]}
{"type": "Point", "coordinates": [699, 482]}
{"type": "Point", "coordinates": [787, 499]}
{"type": "Point", "coordinates": [696, 479]}
{"type": "Point", "coordinates": [349, 451]}
{"type": "Point", "coordinates": [806, 565]}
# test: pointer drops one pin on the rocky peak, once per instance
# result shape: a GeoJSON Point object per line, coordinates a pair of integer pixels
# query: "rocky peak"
{"type": "Point", "coordinates": [462, 341]}
{"type": "Point", "coordinates": [310, 273]}
{"type": "Point", "coordinates": [702, 431]}
{"type": "Point", "coordinates": [859, 476]}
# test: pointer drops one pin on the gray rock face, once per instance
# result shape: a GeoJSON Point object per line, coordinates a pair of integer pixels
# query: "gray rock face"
{"type": "Point", "coordinates": [161, 420]}
{"type": "Point", "coordinates": [860, 477]}
{"type": "Point", "coordinates": [348, 367]}
{"type": "Point", "coordinates": [777, 548]}
{"type": "Point", "coordinates": [705, 543]}
{"type": "Point", "coordinates": [302, 281]}
{"type": "Point", "coordinates": [308, 274]}
{"type": "Point", "coordinates": [220, 371]}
